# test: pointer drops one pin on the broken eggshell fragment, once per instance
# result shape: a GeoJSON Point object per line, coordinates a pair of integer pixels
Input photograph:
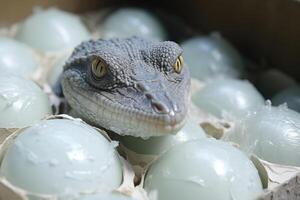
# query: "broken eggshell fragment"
{"type": "Point", "coordinates": [206, 169]}
{"type": "Point", "coordinates": [61, 156]}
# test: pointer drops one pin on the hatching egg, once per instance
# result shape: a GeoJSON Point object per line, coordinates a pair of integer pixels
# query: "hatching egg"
{"type": "Point", "coordinates": [290, 96]}
{"type": "Point", "coordinates": [203, 169]}
{"type": "Point", "coordinates": [212, 56]}
{"type": "Point", "coordinates": [61, 156]}
{"type": "Point", "coordinates": [128, 22]}
{"type": "Point", "coordinates": [17, 58]}
{"type": "Point", "coordinates": [52, 30]}
{"type": "Point", "coordinates": [272, 133]}
{"type": "Point", "coordinates": [157, 145]}
{"type": "Point", "coordinates": [22, 102]}
{"type": "Point", "coordinates": [228, 97]}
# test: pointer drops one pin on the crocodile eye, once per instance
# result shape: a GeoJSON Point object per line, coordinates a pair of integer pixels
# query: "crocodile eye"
{"type": "Point", "coordinates": [99, 68]}
{"type": "Point", "coordinates": [178, 64]}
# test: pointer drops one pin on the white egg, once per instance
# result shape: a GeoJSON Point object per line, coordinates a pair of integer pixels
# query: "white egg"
{"type": "Point", "coordinates": [203, 169]}
{"type": "Point", "coordinates": [22, 102]}
{"type": "Point", "coordinates": [158, 145]}
{"type": "Point", "coordinates": [212, 56]}
{"type": "Point", "coordinates": [16, 58]}
{"type": "Point", "coordinates": [228, 97]}
{"type": "Point", "coordinates": [52, 30]}
{"type": "Point", "coordinates": [272, 133]}
{"type": "Point", "coordinates": [128, 22]}
{"type": "Point", "coordinates": [61, 156]}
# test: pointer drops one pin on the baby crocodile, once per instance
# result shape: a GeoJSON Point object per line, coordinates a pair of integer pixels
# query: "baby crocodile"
{"type": "Point", "coordinates": [129, 86]}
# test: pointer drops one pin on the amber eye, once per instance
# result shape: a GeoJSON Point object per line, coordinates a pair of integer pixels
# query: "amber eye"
{"type": "Point", "coordinates": [178, 64]}
{"type": "Point", "coordinates": [99, 68]}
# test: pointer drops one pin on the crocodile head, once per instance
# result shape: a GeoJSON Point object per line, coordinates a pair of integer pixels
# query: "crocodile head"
{"type": "Point", "coordinates": [129, 86]}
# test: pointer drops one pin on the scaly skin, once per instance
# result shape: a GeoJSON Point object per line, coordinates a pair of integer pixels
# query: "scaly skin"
{"type": "Point", "coordinates": [140, 95]}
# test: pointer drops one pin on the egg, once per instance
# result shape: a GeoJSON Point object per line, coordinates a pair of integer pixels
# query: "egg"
{"type": "Point", "coordinates": [61, 156]}
{"type": "Point", "coordinates": [272, 133]}
{"type": "Point", "coordinates": [228, 98]}
{"type": "Point", "coordinates": [290, 96]}
{"type": "Point", "coordinates": [212, 56]}
{"type": "Point", "coordinates": [127, 22]}
{"type": "Point", "coordinates": [52, 30]}
{"type": "Point", "coordinates": [22, 102]}
{"type": "Point", "coordinates": [158, 145]}
{"type": "Point", "coordinates": [203, 169]}
{"type": "Point", "coordinates": [17, 58]}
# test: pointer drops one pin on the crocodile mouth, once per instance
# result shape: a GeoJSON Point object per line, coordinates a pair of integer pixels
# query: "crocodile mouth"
{"type": "Point", "coordinates": [111, 115]}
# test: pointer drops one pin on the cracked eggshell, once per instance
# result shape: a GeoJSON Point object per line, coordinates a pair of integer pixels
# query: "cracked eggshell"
{"type": "Point", "coordinates": [60, 156]}
{"type": "Point", "coordinates": [206, 169]}
{"type": "Point", "coordinates": [22, 102]}
{"type": "Point", "coordinates": [52, 30]}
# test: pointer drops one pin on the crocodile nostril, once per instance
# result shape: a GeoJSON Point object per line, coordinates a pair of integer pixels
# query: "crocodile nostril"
{"type": "Point", "coordinates": [159, 108]}
{"type": "Point", "coordinates": [141, 87]}
{"type": "Point", "coordinates": [148, 96]}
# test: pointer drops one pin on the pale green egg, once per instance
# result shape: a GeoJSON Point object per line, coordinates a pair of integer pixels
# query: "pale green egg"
{"type": "Point", "coordinates": [212, 56]}
{"type": "Point", "coordinates": [52, 30]}
{"type": "Point", "coordinates": [290, 96]}
{"type": "Point", "coordinates": [61, 156]}
{"type": "Point", "coordinates": [127, 22]}
{"type": "Point", "coordinates": [22, 102]}
{"type": "Point", "coordinates": [158, 145]}
{"type": "Point", "coordinates": [272, 133]}
{"type": "Point", "coordinates": [203, 169]}
{"type": "Point", "coordinates": [17, 58]}
{"type": "Point", "coordinates": [228, 97]}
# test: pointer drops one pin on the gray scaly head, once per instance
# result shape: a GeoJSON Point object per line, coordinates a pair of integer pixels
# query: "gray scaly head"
{"type": "Point", "coordinates": [129, 86]}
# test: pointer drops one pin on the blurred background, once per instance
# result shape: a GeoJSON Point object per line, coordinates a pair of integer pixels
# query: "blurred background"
{"type": "Point", "coordinates": [267, 31]}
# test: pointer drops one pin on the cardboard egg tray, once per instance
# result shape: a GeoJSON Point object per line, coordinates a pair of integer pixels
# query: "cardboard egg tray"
{"type": "Point", "coordinates": [281, 182]}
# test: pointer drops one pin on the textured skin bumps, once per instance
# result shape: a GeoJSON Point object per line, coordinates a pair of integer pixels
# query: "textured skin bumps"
{"type": "Point", "coordinates": [140, 95]}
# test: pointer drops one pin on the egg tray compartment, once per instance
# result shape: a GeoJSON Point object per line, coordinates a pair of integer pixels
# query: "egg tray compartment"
{"type": "Point", "coordinates": [284, 181]}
